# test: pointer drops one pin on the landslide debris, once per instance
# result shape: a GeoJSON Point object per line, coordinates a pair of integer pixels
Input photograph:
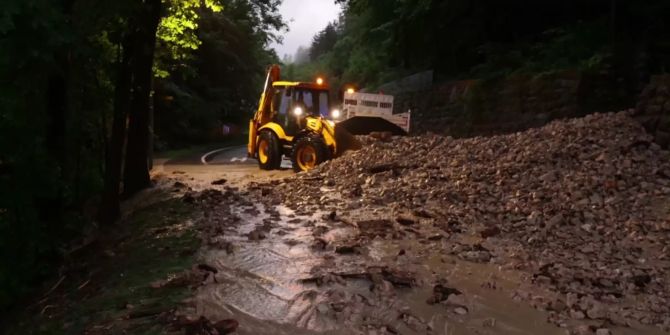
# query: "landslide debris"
{"type": "Point", "coordinates": [580, 205]}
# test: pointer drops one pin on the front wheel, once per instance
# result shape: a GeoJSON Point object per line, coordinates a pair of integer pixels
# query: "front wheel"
{"type": "Point", "coordinates": [308, 152]}
{"type": "Point", "coordinates": [269, 157]}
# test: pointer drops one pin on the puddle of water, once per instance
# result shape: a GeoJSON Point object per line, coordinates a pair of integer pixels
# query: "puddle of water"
{"type": "Point", "coordinates": [262, 284]}
{"type": "Point", "coordinates": [483, 304]}
{"type": "Point", "coordinates": [259, 281]}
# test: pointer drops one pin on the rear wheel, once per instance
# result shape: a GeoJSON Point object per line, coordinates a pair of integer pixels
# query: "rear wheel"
{"type": "Point", "coordinates": [269, 156]}
{"type": "Point", "coordinates": [308, 152]}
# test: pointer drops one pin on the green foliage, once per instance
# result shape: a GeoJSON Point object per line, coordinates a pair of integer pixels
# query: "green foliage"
{"type": "Point", "coordinates": [177, 30]}
{"type": "Point", "coordinates": [379, 41]}
{"type": "Point", "coordinates": [58, 70]}
{"type": "Point", "coordinates": [581, 46]}
{"type": "Point", "coordinates": [323, 42]}
{"type": "Point", "coordinates": [29, 174]}
{"type": "Point", "coordinates": [44, 189]}
{"type": "Point", "coordinates": [230, 64]}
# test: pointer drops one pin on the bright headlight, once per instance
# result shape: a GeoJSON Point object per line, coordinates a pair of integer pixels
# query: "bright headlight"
{"type": "Point", "coordinates": [297, 111]}
{"type": "Point", "coordinates": [335, 114]}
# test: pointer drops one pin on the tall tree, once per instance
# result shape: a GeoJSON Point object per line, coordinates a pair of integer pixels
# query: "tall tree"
{"type": "Point", "coordinates": [109, 209]}
{"type": "Point", "coordinates": [323, 42]}
{"type": "Point", "coordinates": [51, 207]}
{"type": "Point", "coordinates": [136, 172]}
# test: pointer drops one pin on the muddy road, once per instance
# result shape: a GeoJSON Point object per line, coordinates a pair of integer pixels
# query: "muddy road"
{"type": "Point", "coordinates": [284, 271]}
{"type": "Point", "coordinates": [327, 264]}
{"type": "Point", "coordinates": [280, 272]}
{"type": "Point", "coordinates": [200, 169]}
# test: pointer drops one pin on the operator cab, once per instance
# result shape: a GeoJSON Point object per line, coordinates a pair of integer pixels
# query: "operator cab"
{"type": "Point", "coordinates": [292, 102]}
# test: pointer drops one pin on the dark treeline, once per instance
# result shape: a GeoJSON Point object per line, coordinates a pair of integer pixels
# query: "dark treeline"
{"type": "Point", "coordinates": [377, 41]}
{"type": "Point", "coordinates": [77, 83]}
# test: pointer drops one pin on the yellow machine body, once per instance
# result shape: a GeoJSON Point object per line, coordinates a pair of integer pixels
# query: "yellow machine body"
{"type": "Point", "coordinates": [322, 132]}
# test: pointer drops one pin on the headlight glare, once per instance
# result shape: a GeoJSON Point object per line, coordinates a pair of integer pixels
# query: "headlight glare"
{"type": "Point", "coordinates": [335, 114]}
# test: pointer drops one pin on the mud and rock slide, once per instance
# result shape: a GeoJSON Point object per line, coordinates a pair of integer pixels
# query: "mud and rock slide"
{"type": "Point", "coordinates": [560, 229]}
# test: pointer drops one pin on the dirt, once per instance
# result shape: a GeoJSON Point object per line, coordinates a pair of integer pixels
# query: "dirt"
{"type": "Point", "coordinates": [126, 279]}
{"type": "Point", "coordinates": [558, 230]}
{"type": "Point", "coordinates": [553, 230]}
{"type": "Point", "coordinates": [283, 284]}
{"type": "Point", "coordinates": [392, 280]}
{"type": "Point", "coordinates": [199, 172]}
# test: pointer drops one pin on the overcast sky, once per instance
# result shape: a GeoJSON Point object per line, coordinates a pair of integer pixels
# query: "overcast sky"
{"type": "Point", "coordinates": [305, 18]}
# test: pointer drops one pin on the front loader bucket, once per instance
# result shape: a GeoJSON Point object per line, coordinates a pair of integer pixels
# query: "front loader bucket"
{"type": "Point", "coordinates": [364, 125]}
{"type": "Point", "coordinates": [345, 140]}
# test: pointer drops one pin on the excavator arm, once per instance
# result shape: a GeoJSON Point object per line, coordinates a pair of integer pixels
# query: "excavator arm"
{"type": "Point", "coordinates": [264, 112]}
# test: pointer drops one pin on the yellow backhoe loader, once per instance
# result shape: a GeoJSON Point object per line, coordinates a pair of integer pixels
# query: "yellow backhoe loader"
{"type": "Point", "coordinates": [291, 121]}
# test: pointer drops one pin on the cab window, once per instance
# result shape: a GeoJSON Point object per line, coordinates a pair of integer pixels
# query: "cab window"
{"type": "Point", "coordinates": [323, 104]}
{"type": "Point", "coordinates": [314, 102]}
{"type": "Point", "coordinates": [305, 99]}
{"type": "Point", "coordinates": [282, 105]}
{"type": "Point", "coordinates": [284, 97]}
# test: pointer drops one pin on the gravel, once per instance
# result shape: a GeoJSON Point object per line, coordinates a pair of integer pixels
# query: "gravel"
{"type": "Point", "coordinates": [580, 205]}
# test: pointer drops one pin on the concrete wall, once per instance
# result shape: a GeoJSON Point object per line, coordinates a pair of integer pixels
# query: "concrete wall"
{"type": "Point", "coordinates": [485, 107]}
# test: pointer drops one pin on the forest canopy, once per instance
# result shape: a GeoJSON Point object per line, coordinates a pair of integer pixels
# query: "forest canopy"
{"type": "Point", "coordinates": [373, 42]}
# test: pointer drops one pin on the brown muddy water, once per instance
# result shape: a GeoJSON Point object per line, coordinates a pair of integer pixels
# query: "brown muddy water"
{"type": "Point", "coordinates": [282, 272]}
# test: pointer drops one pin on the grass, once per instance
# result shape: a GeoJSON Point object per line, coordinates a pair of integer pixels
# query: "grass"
{"type": "Point", "coordinates": [107, 283]}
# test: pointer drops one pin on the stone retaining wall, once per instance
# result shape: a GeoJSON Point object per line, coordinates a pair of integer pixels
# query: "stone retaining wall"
{"type": "Point", "coordinates": [653, 109]}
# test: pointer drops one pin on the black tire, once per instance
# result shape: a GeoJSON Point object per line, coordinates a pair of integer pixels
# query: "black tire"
{"type": "Point", "coordinates": [308, 152]}
{"type": "Point", "coordinates": [267, 149]}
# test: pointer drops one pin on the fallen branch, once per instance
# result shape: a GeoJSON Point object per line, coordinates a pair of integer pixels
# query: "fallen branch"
{"type": "Point", "coordinates": [45, 309]}
{"type": "Point", "coordinates": [347, 222]}
{"type": "Point", "coordinates": [147, 312]}
{"type": "Point", "coordinates": [83, 285]}
{"type": "Point", "coordinates": [346, 275]}
{"type": "Point", "coordinates": [60, 281]}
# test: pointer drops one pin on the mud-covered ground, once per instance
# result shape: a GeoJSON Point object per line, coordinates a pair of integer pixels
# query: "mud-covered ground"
{"type": "Point", "coordinates": [106, 284]}
{"type": "Point", "coordinates": [556, 230]}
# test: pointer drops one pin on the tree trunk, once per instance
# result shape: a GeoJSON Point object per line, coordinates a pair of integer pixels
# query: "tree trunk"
{"type": "Point", "coordinates": [56, 114]}
{"type": "Point", "coordinates": [150, 142]}
{"type": "Point", "coordinates": [50, 208]}
{"type": "Point", "coordinates": [136, 173]}
{"type": "Point", "coordinates": [109, 210]}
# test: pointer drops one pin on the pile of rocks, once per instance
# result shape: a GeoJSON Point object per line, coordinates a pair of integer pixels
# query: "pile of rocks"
{"type": "Point", "coordinates": [581, 205]}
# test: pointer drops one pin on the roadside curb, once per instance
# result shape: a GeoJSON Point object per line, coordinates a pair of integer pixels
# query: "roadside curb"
{"type": "Point", "coordinates": [207, 157]}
